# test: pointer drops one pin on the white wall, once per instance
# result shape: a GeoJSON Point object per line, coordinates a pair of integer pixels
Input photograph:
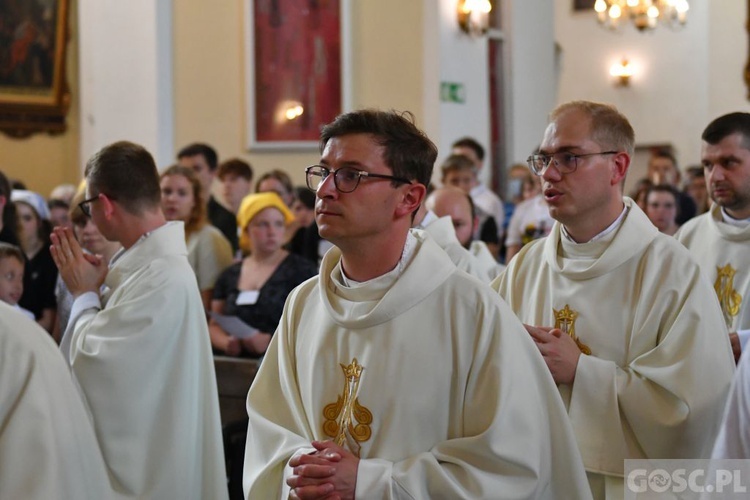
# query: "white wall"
{"type": "Point", "coordinates": [126, 75]}
{"type": "Point", "coordinates": [683, 78]}
{"type": "Point", "coordinates": [728, 53]}
{"type": "Point", "coordinates": [531, 73]}
{"type": "Point", "coordinates": [530, 77]}
{"type": "Point", "coordinates": [462, 59]}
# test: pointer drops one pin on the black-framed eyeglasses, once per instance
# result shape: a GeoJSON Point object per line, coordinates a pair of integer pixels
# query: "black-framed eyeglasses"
{"type": "Point", "coordinates": [85, 205]}
{"type": "Point", "coordinates": [565, 162]}
{"type": "Point", "coordinates": [346, 179]}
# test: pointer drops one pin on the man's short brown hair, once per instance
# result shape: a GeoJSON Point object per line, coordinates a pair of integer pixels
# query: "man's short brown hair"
{"type": "Point", "coordinates": [235, 167]}
{"type": "Point", "coordinates": [125, 172]}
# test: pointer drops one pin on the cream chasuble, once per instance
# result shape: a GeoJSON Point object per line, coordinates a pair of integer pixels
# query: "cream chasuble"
{"type": "Point", "coordinates": [427, 376]}
{"type": "Point", "coordinates": [444, 234]}
{"type": "Point", "coordinates": [482, 254]}
{"type": "Point", "coordinates": [48, 449]}
{"type": "Point", "coordinates": [660, 366]}
{"type": "Point", "coordinates": [733, 440]}
{"type": "Point", "coordinates": [723, 252]}
{"type": "Point", "coordinates": [146, 372]}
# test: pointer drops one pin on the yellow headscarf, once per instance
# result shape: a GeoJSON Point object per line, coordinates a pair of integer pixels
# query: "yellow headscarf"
{"type": "Point", "coordinates": [251, 205]}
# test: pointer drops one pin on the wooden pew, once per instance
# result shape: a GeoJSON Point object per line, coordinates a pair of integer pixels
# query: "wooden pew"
{"type": "Point", "coordinates": [233, 378]}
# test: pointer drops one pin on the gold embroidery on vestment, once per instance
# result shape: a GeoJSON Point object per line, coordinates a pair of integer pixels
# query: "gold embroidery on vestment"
{"type": "Point", "coordinates": [729, 298]}
{"type": "Point", "coordinates": [565, 320]}
{"type": "Point", "coordinates": [346, 421]}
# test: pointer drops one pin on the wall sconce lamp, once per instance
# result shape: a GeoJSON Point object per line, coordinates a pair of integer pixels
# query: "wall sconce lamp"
{"type": "Point", "coordinates": [622, 71]}
{"type": "Point", "coordinates": [474, 16]}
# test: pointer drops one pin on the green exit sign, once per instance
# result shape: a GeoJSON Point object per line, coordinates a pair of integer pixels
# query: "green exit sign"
{"type": "Point", "coordinates": [452, 92]}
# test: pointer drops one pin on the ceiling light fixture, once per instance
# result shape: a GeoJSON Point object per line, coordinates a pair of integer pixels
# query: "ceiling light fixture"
{"type": "Point", "coordinates": [644, 14]}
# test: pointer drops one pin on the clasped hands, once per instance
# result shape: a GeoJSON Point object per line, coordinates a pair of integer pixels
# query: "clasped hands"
{"type": "Point", "coordinates": [329, 473]}
{"type": "Point", "coordinates": [559, 350]}
{"type": "Point", "coordinates": [80, 271]}
{"type": "Point", "coordinates": [734, 341]}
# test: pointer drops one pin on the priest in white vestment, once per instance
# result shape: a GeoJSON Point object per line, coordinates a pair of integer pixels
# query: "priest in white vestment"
{"type": "Point", "coordinates": [453, 203]}
{"type": "Point", "coordinates": [140, 353]}
{"type": "Point", "coordinates": [47, 444]}
{"type": "Point", "coordinates": [630, 328]}
{"type": "Point", "coordinates": [720, 239]}
{"type": "Point", "coordinates": [393, 374]}
{"type": "Point", "coordinates": [733, 441]}
{"type": "Point", "coordinates": [443, 232]}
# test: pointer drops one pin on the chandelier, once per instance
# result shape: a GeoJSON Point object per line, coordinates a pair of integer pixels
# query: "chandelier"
{"type": "Point", "coordinates": [644, 14]}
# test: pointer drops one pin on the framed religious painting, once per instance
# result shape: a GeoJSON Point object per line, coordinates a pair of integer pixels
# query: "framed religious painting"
{"type": "Point", "coordinates": [34, 95]}
{"type": "Point", "coordinates": [297, 67]}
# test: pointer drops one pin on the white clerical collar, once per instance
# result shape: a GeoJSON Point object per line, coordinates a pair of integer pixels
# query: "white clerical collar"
{"type": "Point", "coordinates": [118, 255]}
{"type": "Point", "coordinates": [609, 230]}
{"type": "Point", "coordinates": [732, 221]}
{"type": "Point", "coordinates": [410, 246]}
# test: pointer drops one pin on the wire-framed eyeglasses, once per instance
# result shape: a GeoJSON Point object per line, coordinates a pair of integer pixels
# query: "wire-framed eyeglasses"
{"type": "Point", "coordinates": [85, 205]}
{"type": "Point", "coordinates": [346, 179]}
{"type": "Point", "coordinates": [564, 162]}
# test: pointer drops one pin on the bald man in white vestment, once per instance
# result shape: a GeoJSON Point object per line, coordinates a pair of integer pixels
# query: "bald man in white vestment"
{"type": "Point", "coordinates": [140, 353]}
{"type": "Point", "coordinates": [47, 444]}
{"type": "Point", "coordinates": [443, 231]}
{"type": "Point", "coordinates": [457, 206]}
{"type": "Point", "coordinates": [394, 374]}
{"type": "Point", "coordinates": [720, 239]}
{"type": "Point", "coordinates": [629, 327]}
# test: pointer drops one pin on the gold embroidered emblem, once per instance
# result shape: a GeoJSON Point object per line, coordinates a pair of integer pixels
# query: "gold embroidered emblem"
{"type": "Point", "coordinates": [729, 298]}
{"type": "Point", "coordinates": [565, 320]}
{"type": "Point", "coordinates": [346, 421]}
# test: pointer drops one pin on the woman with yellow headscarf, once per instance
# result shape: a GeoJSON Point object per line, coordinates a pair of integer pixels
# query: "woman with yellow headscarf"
{"type": "Point", "coordinates": [256, 288]}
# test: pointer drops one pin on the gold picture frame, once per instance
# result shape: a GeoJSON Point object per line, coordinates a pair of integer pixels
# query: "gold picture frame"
{"type": "Point", "coordinates": [34, 93]}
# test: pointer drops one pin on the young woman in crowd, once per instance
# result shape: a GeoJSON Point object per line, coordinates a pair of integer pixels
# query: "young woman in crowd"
{"type": "Point", "coordinates": [209, 252]}
{"type": "Point", "coordinates": [256, 288]}
{"type": "Point", "coordinates": [40, 275]}
{"type": "Point", "coordinates": [662, 208]}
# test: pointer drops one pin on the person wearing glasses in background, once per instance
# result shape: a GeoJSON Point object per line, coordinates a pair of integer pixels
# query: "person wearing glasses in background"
{"type": "Point", "coordinates": [394, 374]}
{"type": "Point", "coordinates": [140, 352]}
{"type": "Point", "coordinates": [629, 327]}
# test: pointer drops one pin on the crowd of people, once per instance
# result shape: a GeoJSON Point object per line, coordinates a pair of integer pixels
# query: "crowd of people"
{"type": "Point", "coordinates": [401, 358]}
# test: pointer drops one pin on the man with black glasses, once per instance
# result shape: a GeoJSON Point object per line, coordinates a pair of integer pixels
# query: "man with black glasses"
{"type": "Point", "coordinates": [627, 324]}
{"type": "Point", "coordinates": [140, 352]}
{"type": "Point", "coordinates": [393, 374]}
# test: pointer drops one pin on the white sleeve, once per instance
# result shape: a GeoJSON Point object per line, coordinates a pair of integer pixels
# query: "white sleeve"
{"type": "Point", "coordinates": [744, 336]}
{"type": "Point", "coordinates": [83, 303]}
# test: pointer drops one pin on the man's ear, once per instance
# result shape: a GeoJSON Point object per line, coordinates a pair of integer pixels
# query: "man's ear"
{"type": "Point", "coordinates": [108, 206]}
{"type": "Point", "coordinates": [412, 198]}
{"type": "Point", "coordinates": [3, 201]}
{"type": "Point", "coordinates": [621, 162]}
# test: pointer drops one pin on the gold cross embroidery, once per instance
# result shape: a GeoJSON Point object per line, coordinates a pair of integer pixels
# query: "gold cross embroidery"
{"type": "Point", "coordinates": [346, 421]}
{"type": "Point", "coordinates": [729, 298]}
{"type": "Point", "coordinates": [565, 320]}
